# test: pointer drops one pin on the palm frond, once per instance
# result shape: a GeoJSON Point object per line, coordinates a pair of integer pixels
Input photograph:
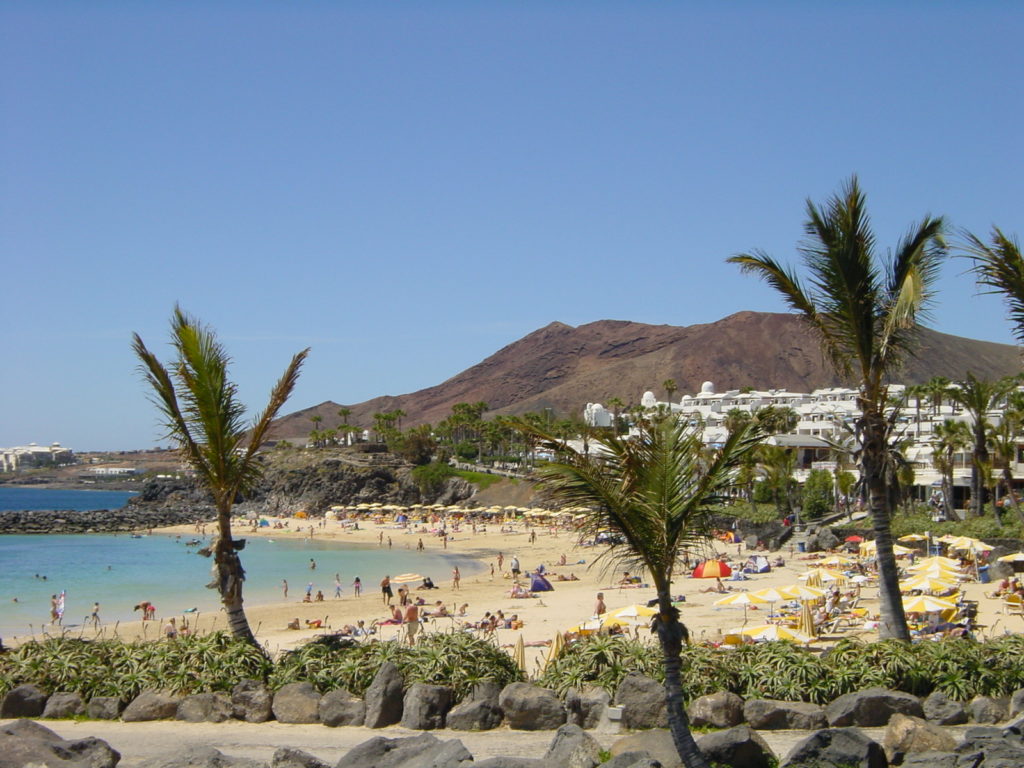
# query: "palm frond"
{"type": "Point", "coordinates": [999, 268]}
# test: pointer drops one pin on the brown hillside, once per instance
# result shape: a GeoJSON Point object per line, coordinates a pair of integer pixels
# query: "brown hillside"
{"type": "Point", "coordinates": [563, 368]}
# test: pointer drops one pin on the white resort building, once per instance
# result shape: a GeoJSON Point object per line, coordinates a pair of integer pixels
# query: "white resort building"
{"type": "Point", "coordinates": [824, 419]}
{"type": "Point", "coordinates": [31, 456]}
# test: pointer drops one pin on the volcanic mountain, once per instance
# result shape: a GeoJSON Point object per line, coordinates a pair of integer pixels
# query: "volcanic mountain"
{"type": "Point", "coordinates": [563, 368]}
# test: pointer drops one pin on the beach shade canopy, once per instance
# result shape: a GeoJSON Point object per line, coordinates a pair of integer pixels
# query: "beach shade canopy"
{"type": "Point", "coordinates": [631, 616]}
{"type": "Point", "coordinates": [937, 572]}
{"type": "Point", "coordinates": [945, 562]}
{"type": "Point", "coordinates": [587, 627]}
{"type": "Point", "coordinates": [1016, 557]}
{"type": "Point", "coordinates": [968, 544]}
{"type": "Point", "coordinates": [405, 578]}
{"type": "Point", "coordinates": [818, 576]}
{"type": "Point", "coordinates": [912, 537]}
{"type": "Point", "coordinates": [926, 584]}
{"type": "Point", "coordinates": [775, 632]}
{"type": "Point", "coordinates": [739, 598]}
{"type": "Point", "coordinates": [926, 604]}
{"type": "Point", "coordinates": [712, 569]}
{"type": "Point", "coordinates": [772, 595]}
{"type": "Point", "coordinates": [802, 592]}
{"type": "Point", "coordinates": [833, 560]}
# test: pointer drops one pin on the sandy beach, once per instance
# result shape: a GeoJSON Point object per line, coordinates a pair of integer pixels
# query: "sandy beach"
{"type": "Point", "coordinates": [570, 603]}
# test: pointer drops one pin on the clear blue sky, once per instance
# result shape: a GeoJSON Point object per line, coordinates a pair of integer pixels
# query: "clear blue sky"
{"type": "Point", "coordinates": [406, 188]}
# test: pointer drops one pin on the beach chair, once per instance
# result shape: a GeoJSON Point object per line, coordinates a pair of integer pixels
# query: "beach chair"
{"type": "Point", "coordinates": [1013, 604]}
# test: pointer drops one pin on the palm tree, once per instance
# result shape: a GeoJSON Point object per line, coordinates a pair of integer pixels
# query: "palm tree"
{"type": "Point", "coordinates": [616, 405]}
{"type": "Point", "coordinates": [654, 491]}
{"type": "Point", "coordinates": [1003, 439]}
{"type": "Point", "coordinates": [937, 388]}
{"type": "Point", "coordinates": [202, 415]}
{"type": "Point", "coordinates": [918, 392]}
{"type": "Point", "coordinates": [344, 413]}
{"type": "Point", "coordinates": [951, 437]}
{"type": "Point", "coordinates": [865, 314]}
{"type": "Point", "coordinates": [670, 389]}
{"type": "Point", "coordinates": [978, 398]}
{"type": "Point", "coordinates": [998, 266]}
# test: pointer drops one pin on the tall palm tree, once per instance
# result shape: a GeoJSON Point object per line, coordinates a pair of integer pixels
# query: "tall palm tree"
{"type": "Point", "coordinates": [616, 405]}
{"type": "Point", "coordinates": [670, 389]}
{"type": "Point", "coordinates": [937, 389]}
{"type": "Point", "coordinates": [1003, 439]}
{"type": "Point", "coordinates": [951, 437]}
{"type": "Point", "coordinates": [978, 397]}
{"type": "Point", "coordinates": [865, 311]}
{"type": "Point", "coordinates": [201, 412]}
{"type": "Point", "coordinates": [999, 267]}
{"type": "Point", "coordinates": [654, 491]}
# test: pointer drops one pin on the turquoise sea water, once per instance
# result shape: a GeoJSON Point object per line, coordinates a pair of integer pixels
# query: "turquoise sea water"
{"type": "Point", "coordinates": [120, 571]}
{"type": "Point", "coordinates": [44, 498]}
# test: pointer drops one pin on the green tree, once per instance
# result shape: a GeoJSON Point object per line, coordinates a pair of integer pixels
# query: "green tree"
{"type": "Point", "coordinates": [950, 438]}
{"type": "Point", "coordinates": [616, 405]}
{"type": "Point", "coordinates": [204, 418]}
{"type": "Point", "coordinates": [670, 388]}
{"type": "Point", "coordinates": [817, 494]}
{"type": "Point", "coordinates": [865, 311]}
{"type": "Point", "coordinates": [937, 389]}
{"type": "Point", "coordinates": [978, 397]}
{"type": "Point", "coordinates": [654, 491]}
{"type": "Point", "coordinates": [776, 419]}
{"type": "Point", "coordinates": [1003, 439]}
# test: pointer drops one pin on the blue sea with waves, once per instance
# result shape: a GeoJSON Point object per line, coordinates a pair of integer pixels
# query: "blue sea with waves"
{"type": "Point", "coordinates": [121, 571]}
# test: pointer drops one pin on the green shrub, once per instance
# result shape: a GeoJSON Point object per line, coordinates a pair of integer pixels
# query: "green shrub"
{"type": "Point", "coordinates": [818, 498]}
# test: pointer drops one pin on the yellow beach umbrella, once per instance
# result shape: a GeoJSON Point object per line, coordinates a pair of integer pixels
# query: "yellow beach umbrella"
{"type": "Point", "coordinates": [913, 537]}
{"type": "Point", "coordinates": [935, 560]}
{"type": "Point", "coordinates": [587, 627]}
{"type": "Point", "coordinates": [926, 584]}
{"type": "Point", "coordinates": [1016, 557]}
{"type": "Point", "coordinates": [775, 632]}
{"type": "Point", "coordinates": [926, 604]}
{"type": "Point", "coordinates": [833, 560]}
{"type": "Point", "coordinates": [818, 576]}
{"type": "Point", "coordinates": [803, 592]}
{"type": "Point", "coordinates": [740, 598]}
{"type": "Point", "coordinates": [946, 574]}
{"type": "Point", "coordinates": [632, 615]}
{"type": "Point", "coordinates": [872, 546]}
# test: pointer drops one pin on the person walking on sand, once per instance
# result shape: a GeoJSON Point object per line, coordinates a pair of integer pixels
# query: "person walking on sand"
{"type": "Point", "coordinates": [337, 586]}
{"type": "Point", "coordinates": [600, 609]}
{"type": "Point", "coordinates": [514, 565]}
{"type": "Point", "coordinates": [385, 590]}
{"type": "Point", "coordinates": [501, 561]}
{"type": "Point", "coordinates": [456, 577]}
{"type": "Point", "coordinates": [94, 617]}
{"type": "Point", "coordinates": [412, 622]}
{"type": "Point", "coordinates": [357, 587]}
{"type": "Point", "coordinates": [284, 584]}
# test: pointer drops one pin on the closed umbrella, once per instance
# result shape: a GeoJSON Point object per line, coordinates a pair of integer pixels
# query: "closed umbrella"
{"type": "Point", "coordinates": [806, 624]}
{"type": "Point", "coordinates": [912, 537]}
{"type": "Point", "coordinates": [556, 648]}
{"type": "Point", "coordinates": [519, 653]}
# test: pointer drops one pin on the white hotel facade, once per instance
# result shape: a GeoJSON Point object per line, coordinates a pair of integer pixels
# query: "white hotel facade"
{"type": "Point", "coordinates": [822, 415]}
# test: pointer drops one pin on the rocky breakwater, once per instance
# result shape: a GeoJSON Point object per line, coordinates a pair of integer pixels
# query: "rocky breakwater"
{"type": "Point", "coordinates": [94, 521]}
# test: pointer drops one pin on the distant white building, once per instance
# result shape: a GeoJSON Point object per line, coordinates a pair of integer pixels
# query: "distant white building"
{"type": "Point", "coordinates": [114, 471]}
{"type": "Point", "coordinates": [824, 417]}
{"type": "Point", "coordinates": [32, 456]}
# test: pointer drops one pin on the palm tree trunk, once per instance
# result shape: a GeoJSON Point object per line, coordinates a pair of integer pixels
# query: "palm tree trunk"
{"type": "Point", "coordinates": [230, 576]}
{"type": "Point", "coordinates": [671, 633]}
{"type": "Point", "coordinates": [1008, 478]}
{"type": "Point", "coordinates": [978, 485]}
{"type": "Point", "coordinates": [894, 620]}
